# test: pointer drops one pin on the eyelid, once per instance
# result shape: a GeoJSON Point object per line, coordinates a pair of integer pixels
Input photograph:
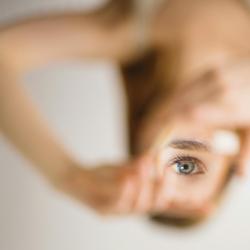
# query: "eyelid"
{"type": "Point", "coordinates": [183, 158]}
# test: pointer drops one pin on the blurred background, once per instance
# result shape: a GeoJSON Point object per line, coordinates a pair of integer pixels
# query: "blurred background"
{"type": "Point", "coordinates": [84, 104]}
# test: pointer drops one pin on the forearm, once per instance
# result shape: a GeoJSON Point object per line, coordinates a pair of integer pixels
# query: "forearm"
{"type": "Point", "coordinates": [33, 43]}
{"type": "Point", "coordinates": [22, 125]}
{"type": "Point", "coordinates": [38, 41]}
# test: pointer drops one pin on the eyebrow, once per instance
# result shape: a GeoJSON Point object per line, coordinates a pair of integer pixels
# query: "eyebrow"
{"type": "Point", "coordinates": [189, 145]}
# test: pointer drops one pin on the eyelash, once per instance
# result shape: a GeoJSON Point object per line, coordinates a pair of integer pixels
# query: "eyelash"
{"type": "Point", "coordinates": [186, 158]}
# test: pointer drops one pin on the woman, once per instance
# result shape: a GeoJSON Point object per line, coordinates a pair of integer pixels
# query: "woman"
{"type": "Point", "coordinates": [176, 52]}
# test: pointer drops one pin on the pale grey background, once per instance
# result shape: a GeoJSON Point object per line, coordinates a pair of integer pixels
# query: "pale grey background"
{"type": "Point", "coordinates": [83, 103]}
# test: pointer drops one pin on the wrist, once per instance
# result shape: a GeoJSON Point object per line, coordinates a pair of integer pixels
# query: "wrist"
{"type": "Point", "coordinates": [59, 174]}
{"type": "Point", "coordinates": [68, 177]}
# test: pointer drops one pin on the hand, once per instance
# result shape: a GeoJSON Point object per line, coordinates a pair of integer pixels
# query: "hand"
{"type": "Point", "coordinates": [224, 103]}
{"type": "Point", "coordinates": [121, 189]}
{"type": "Point", "coordinates": [219, 98]}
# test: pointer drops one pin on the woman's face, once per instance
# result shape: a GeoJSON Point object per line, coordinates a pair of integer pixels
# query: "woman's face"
{"type": "Point", "coordinates": [194, 165]}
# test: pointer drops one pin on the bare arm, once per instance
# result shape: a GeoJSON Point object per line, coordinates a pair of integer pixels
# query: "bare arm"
{"type": "Point", "coordinates": [107, 189]}
{"type": "Point", "coordinates": [33, 43]}
{"type": "Point", "coordinates": [22, 125]}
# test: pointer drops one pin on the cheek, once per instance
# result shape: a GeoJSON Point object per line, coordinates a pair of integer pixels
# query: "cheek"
{"type": "Point", "coordinates": [183, 196]}
{"type": "Point", "coordinates": [184, 190]}
{"type": "Point", "coordinates": [217, 174]}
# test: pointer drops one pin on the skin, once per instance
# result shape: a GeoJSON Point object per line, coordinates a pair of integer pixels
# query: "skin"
{"type": "Point", "coordinates": [184, 62]}
{"type": "Point", "coordinates": [193, 193]}
{"type": "Point", "coordinates": [206, 74]}
{"type": "Point", "coordinates": [220, 74]}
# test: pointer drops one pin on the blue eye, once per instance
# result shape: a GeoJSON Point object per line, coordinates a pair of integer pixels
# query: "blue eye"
{"type": "Point", "coordinates": [185, 167]}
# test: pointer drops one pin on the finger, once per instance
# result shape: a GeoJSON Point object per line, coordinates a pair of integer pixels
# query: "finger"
{"type": "Point", "coordinates": [209, 96]}
{"type": "Point", "coordinates": [163, 196]}
{"type": "Point", "coordinates": [176, 110]}
{"type": "Point", "coordinates": [244, 156]}
{"type": "Point", "coordinates": [128, 192]}
{"type": "Point", "coordinates": [129, 186]}
{"type": "Point", "coordinates": [198, 83]}
{"type": "Point", "coordinates": [189, 95]}
{"type": "Point", "coordinates": [206, 88]}
{"type": "Point", "coordinates": [143, 203]}
{"type": "Point", "coordinates": [215, 116]}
